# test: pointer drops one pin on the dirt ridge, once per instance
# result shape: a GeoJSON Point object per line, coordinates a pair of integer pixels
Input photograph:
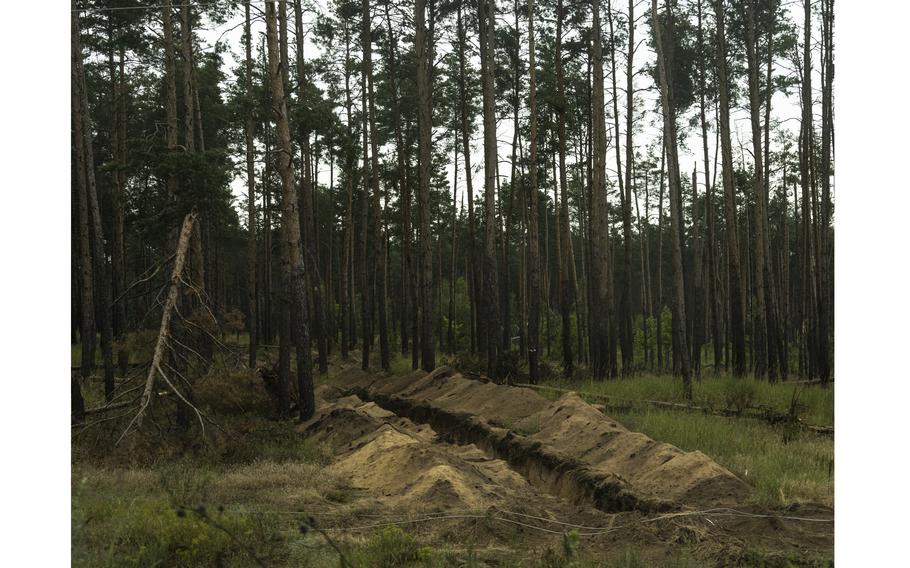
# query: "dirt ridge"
{"type": "Point", "coordinates": [608, 466]}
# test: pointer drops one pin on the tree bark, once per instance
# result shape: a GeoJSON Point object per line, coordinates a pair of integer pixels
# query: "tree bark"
{"type": "Point", "coordinates": [534, 215]}
{"type": "Point", "coordinates": [491, 332]}
{"type": "Point", "coordinates": [348, 223]}
{"type": "Point", "coordinates": [473, 285]}
{"type": "Point", "coordinates": [425, 127]}
{"type": "Point", "coordinates": [670, 138]}
{"type": "Point", "coordinates": [736, 272]}
{"type": "Point", "coordinates": [309, 233]}
{"type": "Point", "coordinates": [248, 132]}
{"type": "Point", "coordinates": [566, 285]}
{"type": "Point", "coordinates": [85, 160]}
{"type": "Point", "coordinates": [603, 362]}
{"type": "Point", "coordinates": [291, 220]}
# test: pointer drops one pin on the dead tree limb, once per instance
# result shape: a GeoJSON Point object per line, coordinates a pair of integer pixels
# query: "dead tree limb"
{"type": "Point", "coordinates": [164, 330]}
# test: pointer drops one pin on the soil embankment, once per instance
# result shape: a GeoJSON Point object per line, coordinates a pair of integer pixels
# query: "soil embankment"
{"type": "Point", "coordinates": [482, 454]}
{"type": "Point", "coordinates": [565, 447]}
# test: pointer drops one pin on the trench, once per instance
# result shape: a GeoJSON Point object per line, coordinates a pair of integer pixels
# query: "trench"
{"type": "Point", "coordinates": [557, 475]}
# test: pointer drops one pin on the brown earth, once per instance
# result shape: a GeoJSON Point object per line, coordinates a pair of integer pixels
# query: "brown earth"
{"type": "Point", "coordinates": [458, 460]}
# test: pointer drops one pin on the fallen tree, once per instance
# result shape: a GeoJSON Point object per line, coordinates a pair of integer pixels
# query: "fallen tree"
{"type": "Point", "coordinates": [164, 333]}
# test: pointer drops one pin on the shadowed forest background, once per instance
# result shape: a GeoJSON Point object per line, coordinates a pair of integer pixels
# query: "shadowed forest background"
{"type": "Point", "coordinates": [629, 200]}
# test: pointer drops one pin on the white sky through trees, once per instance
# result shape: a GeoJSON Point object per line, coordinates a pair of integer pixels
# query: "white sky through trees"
{"type": "Point", "coordinates": [785, 108]}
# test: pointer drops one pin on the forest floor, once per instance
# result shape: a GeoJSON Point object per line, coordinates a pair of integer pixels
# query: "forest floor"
{"type": "Point", "coordinates": [410, 469]}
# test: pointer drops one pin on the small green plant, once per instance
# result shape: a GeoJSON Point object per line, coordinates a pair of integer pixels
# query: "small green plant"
{"type": "Point", "coordinates": [233, 322]}
{"type": "Point", "coordinates": [628, 559]}
{"type": "Point", "coordinates": [566, 557]}
{"type": "Point", "coordinates": [739, 394]}
{"type": "Point", "coordinates": [184, 484]}
{"type": "Point", "coordinates": [390, 547]}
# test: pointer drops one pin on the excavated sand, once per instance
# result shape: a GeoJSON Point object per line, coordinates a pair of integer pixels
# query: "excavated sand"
{"type": "Point", "coordinates": [566, 446]}
{"type": "Point", "coordinates": [405, 465]}
{"type": "Point", "coordinates": [508, 470]}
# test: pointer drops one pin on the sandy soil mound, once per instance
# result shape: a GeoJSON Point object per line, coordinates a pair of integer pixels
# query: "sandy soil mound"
{"type": "Point", "coordinates": [575, 429]}
{"type": "Point", "coordinates": [508, 470]}
{"type": "Point", "coordinates": [567, 447]}
{"type": "Point", "coordinates": [406, 465]}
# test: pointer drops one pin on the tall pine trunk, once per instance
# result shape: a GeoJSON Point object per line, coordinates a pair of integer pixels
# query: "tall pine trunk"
{"type": "Point", "coordinates": [603, 361]}
{"type": "Point", "coordinates": [248, 132]}
{"type": "Point", "coordinates": [670, 139]}
{"type": "Point", "coordinates": [491, 327]}
{"type": "Point", "coordinates": [736, 271]}
{"type": "Point", "coordinates": [291, 220]}
{"type": "Point", "coordinates": [82, 123]}
{"type": "Point", "coordinates": [425, 127]}
{"type": "Point", "coordinates": [534, 214]}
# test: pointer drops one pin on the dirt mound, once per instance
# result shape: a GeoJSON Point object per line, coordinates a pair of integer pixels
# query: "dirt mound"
{"type": "Point", "coordinates": [502, 467]}
{"type": "Point", "coordinates": [567, 447]}
{"type": "Point", "coordinates": [405, 465]}
{"type": "Point", "coordinates": [575, 429]}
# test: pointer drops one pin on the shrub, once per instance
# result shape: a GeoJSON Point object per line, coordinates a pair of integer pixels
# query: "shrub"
{"type": "Point", "coordinates": [233, 322]}
{"type": "Point", "coordinates": [390, 547]}
{"type": "Point", "coordinates": [739, 394]}
{"type": "Point", "coordinates": [151, 533]}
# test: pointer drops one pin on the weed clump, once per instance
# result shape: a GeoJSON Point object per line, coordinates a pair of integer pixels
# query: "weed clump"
{"type": "Point", "coordinates": [739, 394]}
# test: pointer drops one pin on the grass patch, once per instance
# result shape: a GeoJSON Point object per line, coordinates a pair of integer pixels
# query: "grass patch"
{"type": "Point", "coordinates": [782, 473]}
{"type": "Point", "coordinates": [816, 403]}
{"type": "Point", "coordinates": [124, 519]}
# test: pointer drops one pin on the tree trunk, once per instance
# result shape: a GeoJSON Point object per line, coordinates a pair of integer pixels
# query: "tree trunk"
{"type": "Point", "coordinates": [348, 223]}
{"type": "Point", "coordinates": [291, 220]}
{"type": "Point", "coordinates": [566, 288]}
{"type": "Point", "coordinates": [248, 132]}
{"type": "Point", "coordinates": [186, 38]}
{"type": "Point", "coordinates": [82, 122]}
{"type": "Point", "coordinates": [534, 214]}
{"type": "Point", "coordinates": [660, 259]}
{"type": "Point", "coordinates": [425, 126]}
{"type": "Point", "coordinates": [736, 273]}
{"type": "Point", "coordinates": [491, 332]}
{"type": "Point", "coordinates": [376, 287]}
{"type": "Point", "coordinates": [118, 175]}
{"type": "Point", "coordinates": [670, 139]}
{"type": "Point", "coordinates": [760, 334]}
{"type": "Point", "coordinates": [602, 285]}
{"type": "Point", "coordinates": [87, 294]}
{"type": "Point", "coordinates": [309, 233]}
{"type": "Point", "coordinates": [826, 260]}
{"type": "Point", "coordinates": [710, 255]}
{"type": "Point", "coordinates": [473, 285]}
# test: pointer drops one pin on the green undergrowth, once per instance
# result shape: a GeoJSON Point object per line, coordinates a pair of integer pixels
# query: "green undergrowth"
{"type": "Point", "coordinates": [784, 467]}
{"type": "Point", "coordinates": [814, 403]}
{"type": "Point", "coordinates": [784, 464]}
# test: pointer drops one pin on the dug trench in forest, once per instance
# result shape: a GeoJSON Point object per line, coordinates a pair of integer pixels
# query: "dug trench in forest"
{"type": "Point", "coordinates": [444, 451]}
{"type": "Point", "coordinates": [565, 447]}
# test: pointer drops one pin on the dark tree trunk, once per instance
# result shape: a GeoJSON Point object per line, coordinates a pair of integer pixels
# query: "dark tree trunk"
{"type": "Point", "coordinates": [291, 220]}
{"type": "Point", "coordinates": [491, 323]}
{"type": "Point", "coordinates": [736, 272]}
{"type": "Point", "coordinates": [248, 132]}
{"type": "Point", "coordinates": [566, 285]}
{"type": "Point", "coordinates": [424, 124]}
{"type": "Point", "coordinates": [670, 139]}
{"type": "Point", "coordinates": [534, 214]}
{"type": "Point", "coordinates": [601, 279]}
{"type": "Point", "coordinates": [86, 176]}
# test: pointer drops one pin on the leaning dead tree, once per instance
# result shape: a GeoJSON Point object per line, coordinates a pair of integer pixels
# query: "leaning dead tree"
{"type": "Point", "coordinates": [156, 368]}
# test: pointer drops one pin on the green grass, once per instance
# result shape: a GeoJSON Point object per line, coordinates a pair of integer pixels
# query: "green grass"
{"type": "Point", "coordinates": [816, 403]}
{"type": "Point", "coordinates": [801, 470]}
